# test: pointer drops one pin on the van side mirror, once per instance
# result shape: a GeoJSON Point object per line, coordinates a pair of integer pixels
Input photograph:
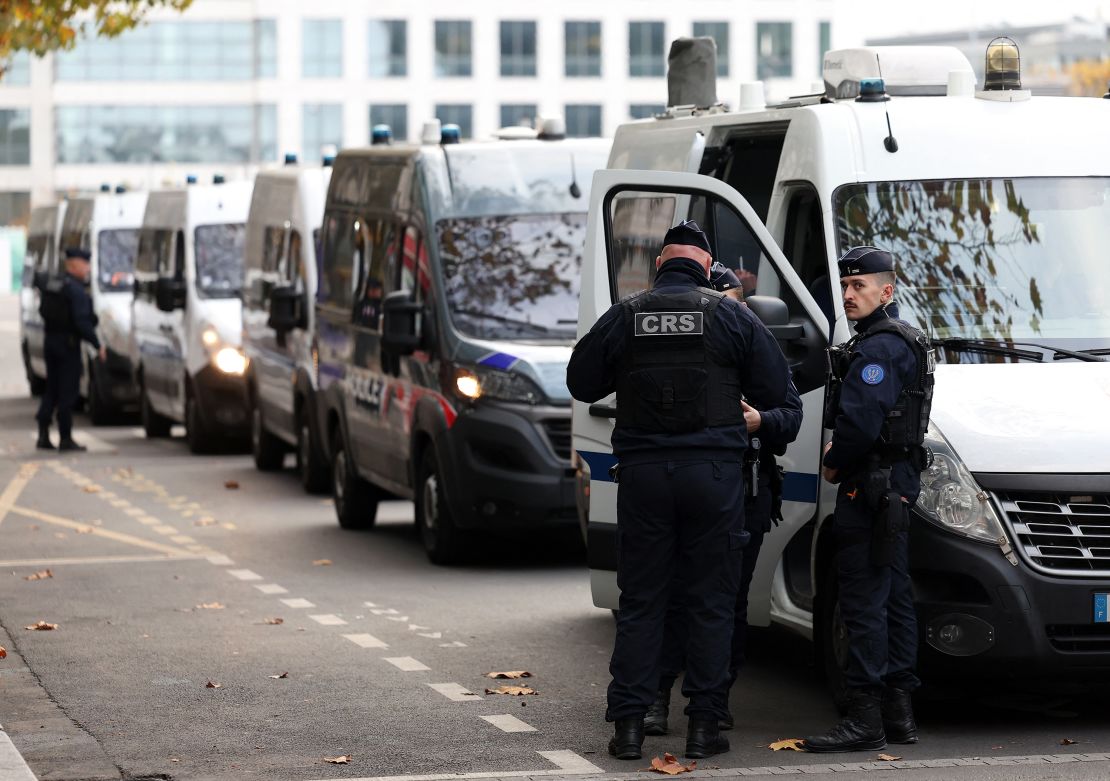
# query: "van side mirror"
{"type": "Point", "coordinates": [774, 314]}
{"type": "Point", "coordinates": [169, 294]}
{"type": "Point", "coordinates": [287, 309]}
{"type": "Point", "coordinates": [400, 323]}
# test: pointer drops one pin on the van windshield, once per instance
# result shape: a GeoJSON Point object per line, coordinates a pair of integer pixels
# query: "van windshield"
{"type": "Point", "coordinates": [219, 252]}
{"type": "Point", "coordinates": [999, 259]}
{"type": "Point", "coordinates": [115, 258]}
{"type": "Point", "coordinates": [513, 277]}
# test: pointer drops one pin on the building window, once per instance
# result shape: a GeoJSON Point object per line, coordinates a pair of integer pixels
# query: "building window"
{"type": "Point", "coordinates": [518, 48]}
{"type": "Point", "coordinates": [774, 50]}
{"type": "Point", "coordinates": [176, 51]}
{"type": "Point", "coordinates": [323, 126]}
{"type": "Point", "coordinates": [388, 44]}
{"type": "Point", "coordinates": [583, 120]}
{"type": "Point", "coordinates": [457, 114]}
{"type": "Point", "coordinates": [15, 136]}
{"type": "Point", "coordinates": [583, 49]}
{"type": "Point", "coordinates": [15, 208]}
{"type": "Point", "coordinates": [824, 38]}
{"type": "Point", "coordinates": [645, 49]}
{"type": "Point", "coordinates": [322, 52]}
{"type": "Point", "coordinates": [645, 110]}
{"type": "Point", "coordinates": [453, 48]}
{"type": "Point", "coordinates": [718, 31]}
{"type": "Point", "coordinates": [166, 134]}
{"type": "Point", "coordinates": [396, 115]}
{"type": "Point", "coordinates": [18, 71]}
{"type": "Point", "coordinates": [518, 114]}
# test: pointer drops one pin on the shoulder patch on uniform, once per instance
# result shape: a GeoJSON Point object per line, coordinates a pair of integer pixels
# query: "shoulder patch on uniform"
{"type": "Point", "coordinates": [872, 374]}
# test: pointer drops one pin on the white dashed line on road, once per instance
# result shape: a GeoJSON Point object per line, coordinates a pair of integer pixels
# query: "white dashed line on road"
{"type": "Point", "coordinates": [271, 588]}
{"type": "Point", "coordinates": [182, 539]}
{"type": "Point", "coordinates": [454, 692]}
{"type": "Point", "coordinates": [164, 529]}
{"type": "Point", "coordinates": [324, 619]}
{"type": "Point", "coordinates": [366, 641]}
{"type": "Point", "coordinates": [570, 762]}
{"type": "Point", "coordinates": [297, 602]}
{"type": "Point", "coordinates": [244, 574]}
{"type": "Point", "coordinates": [455, 644]}
{"type": "Point", "coordinates": [149, 520]}
{"type": "Point", "coordinates": [135, 511]}
{"type": "Point", "coordinates": [507, 723]}
{"type": "Point", "coordinates": [407, 664]}
{"type": "Point", "coordinates": [220, 560]}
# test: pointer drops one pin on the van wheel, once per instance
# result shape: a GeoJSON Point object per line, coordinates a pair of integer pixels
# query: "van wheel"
{"type": "Point", "coordinates": [356, 500]}
{"type": "Point", "coordinates": [155, 426]}
{"type": "Point", "coordinates": [443, 542]}
{"type": "Point", "coordinates": [833, 639]}
{"type": "Point", "coordinates": [268, 450]}
{"type": "Point", "coordinates": [312, 468]}
{"type": "Point", "coordinates": [99, 411]}
{"type": "Point", "coordinates": [196, 433]}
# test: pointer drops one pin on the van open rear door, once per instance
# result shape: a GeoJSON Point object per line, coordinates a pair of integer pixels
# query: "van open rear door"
{"type": "Point", "coordinates": [630, 211]}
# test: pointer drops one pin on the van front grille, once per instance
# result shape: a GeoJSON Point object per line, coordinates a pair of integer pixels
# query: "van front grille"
{"type": "Point", "coordinates": [1079, 638]}
{"type": "Point", "coordinates": [558, 434]}
{"type": "Point", "coordinates": [1061, 534]}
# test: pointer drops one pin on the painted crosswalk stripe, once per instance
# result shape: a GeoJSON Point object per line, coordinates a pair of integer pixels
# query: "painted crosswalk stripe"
{"type": "Point", "coordinates": [220, 560]}
{"type": "Point", "coordinates": [327, 619]}
{"type": "Point", "coordinates": [271, 588]}
{"type": "Point", "coordinates": [244, 574]}
{"type": "Point", "coordinates": [135, 511]}
{"type": "Point", "coordinates": [149, 520]}
{"type": "Point", "coordinates": [407, 664]}
{"type": "Point", "coordinates": [165, 529]}
{"type": "Point", "coordinates": [182, 539]}
{"type": "Point", "coordinates": [570, 762]}
{"type": "Point", "coordinates": [454, 692]}
{"type": "Point", "coordinates": [366, 641]}
{"type": "Point", "coordinates": [507, 723]}
{"type": "Point", "coordinates": [297, 602]}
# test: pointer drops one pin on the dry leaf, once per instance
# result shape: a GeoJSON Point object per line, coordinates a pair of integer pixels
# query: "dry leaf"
{"type": "Point", "coordinates": [321, 563]}
{"type": "Point", "coordinates": [793, 744]}
{"type": "Point", "coordinates": [213, 685]}
{"type": "Point", "coordinates": [91, 489]}
{"type": "Point", "coordinates": [888, 758]}
{"type": "Point", "coordinates": [275, 621]}
{"type": "Point", "coordinates": [278, 677]}
{"type": "Point", "coordinates": [174, 759]}
{"type": "Point", "coordinates": [231, 485]}
{"type": "Point", "coordinates": [512, 674]}
{"type": "Point", "coordinates": [41, 626]}
{"type": "Point", "coordinates": [3, 652]}
{"type": "Point", "coordinates": [1063, 741]}
{"type": "Point", "coordinates": [343, 760]}
{"type": "Point", "coordinates": [41, 575]}
{"type": "Point", "coordinates": [670, 765]}
{"type": "Point", "coordinates": [512, 691]}
{"type": "Point", "coordinates": [210, 606]}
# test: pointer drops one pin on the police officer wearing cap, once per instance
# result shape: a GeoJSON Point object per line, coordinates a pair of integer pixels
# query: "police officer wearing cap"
{"type": "Point", "coordinates": [880, 396]}
{"type": "Point", "coordinates": [679, 356]}
{"type": "Point", "coordinates": [68, 319]}
{"type": "Point", "coordinates": [769, 433]}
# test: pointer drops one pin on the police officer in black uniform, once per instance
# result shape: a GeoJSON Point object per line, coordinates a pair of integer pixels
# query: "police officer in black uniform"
{"type": "Point", "coordinates": [881, 393]}
{"type": "Point", "coordinates": [68, 318]}
{"type": "Point", "coordinates": [680, 357]}
{"type": "Point", "coordinates": [769, 432]}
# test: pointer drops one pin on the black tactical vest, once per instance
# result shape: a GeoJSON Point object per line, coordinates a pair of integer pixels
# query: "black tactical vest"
{"type": "Point", "coordinates": [669, 382]}
{"type": "Point", "coordinates": [903, 431]}
{"type": "Point", "coordinates": [54, 306]}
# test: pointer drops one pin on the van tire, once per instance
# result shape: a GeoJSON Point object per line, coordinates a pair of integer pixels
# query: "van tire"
{"type": "Point", "coordinates": [100, 413]}
{"type": "Point", "coordinates": [196, 433]}
{"type": "Point", "coordinates": [311, 467]}
{"type": "Point", "coordinates": [155, 426]}
{"type": "Point", "coordinates": [355, 499]}
{"type": "Point", "coordinates": [268, 451]}
{"type": "Point", "coordinates": [443, 541]}
{"type": "Point", "coordinates": [833, 638]}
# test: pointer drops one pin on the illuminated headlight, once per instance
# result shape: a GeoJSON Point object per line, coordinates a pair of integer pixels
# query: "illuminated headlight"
{"type": "Point", "coordinates": [210, 337]}
{"type": "Point", "coordinates": [477, 382]}
{"type": "Point", "coordinates": [230, 361]}
{"type": "Point", "coordinates": [467, 384]}
{"type": "Point", "coordinates": [950, 496]}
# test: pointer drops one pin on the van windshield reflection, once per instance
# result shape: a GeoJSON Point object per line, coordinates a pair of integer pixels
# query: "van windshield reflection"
{"type": "Point", "coordinates": [219, 253]}
{"type": "Point", "coordinates": [513, 277]}
{"type": "Point", "coordinates": [995, 259]}
{"type": "Point", "coordinates": [115, 258]}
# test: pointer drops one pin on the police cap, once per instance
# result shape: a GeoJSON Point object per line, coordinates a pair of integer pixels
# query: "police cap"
{"type": "Point", "coordinates": [687, 232]}
{"type": "Point", "coordinates": [865, 260]}
{"type": "Point", "coordinates": [77, 253]}
{"type": "Point", "coordinates": [722, 278]}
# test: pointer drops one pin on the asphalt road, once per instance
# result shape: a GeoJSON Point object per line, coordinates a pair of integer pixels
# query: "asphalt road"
{"type": "Point", "coordinates": [165, 579]}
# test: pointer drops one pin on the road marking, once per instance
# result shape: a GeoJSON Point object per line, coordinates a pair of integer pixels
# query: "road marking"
{"type": "Point", "coordinates": [92, 560]}
{"type": "Point", "coordinates": [272, 588]}
{"type": "Point", "coordinates": [183, 539]}
{"type": "Point", "coordinates": [324, 619]}
{"type": "Point", "coordinates": [385, 611]}
{"type": "Point", "coordinates": [297, 602]}
{"type": "Point", "coordinates": [150, 520]}
{"type": "Point", "coordinates": [366, 641]}
{"type": "Point", "coordinates": [401, 619]}
{"type": "Point", "coordinates": [12, 765]}
{"type": "Point", "coordinates": [454, 692]}
{"type": "Point", "coordinates": [567, 763]}
{"type": "Point", "coordinates": [417, 628]}
{"type": "Point", "coordinates": [455, 644]}
{"type": "Point", "coordinates": [135, 511]}
{"type": "Point", "coordinates": [220, 560]}
{"type": "Point", "coordinates": [244, 574]}
{"type": "Point", "coordinates": [106, 495]}
{"type": "Point", "coordinates": [432, 635]}
{"type": "Point", "coordinates": [165, 529]}
{"type": "Point", "coordinates": [120, 503]}
{"type": "Point", "coordinates": [102, 532]}
{"type": "Point", "coordinates": [15, 488]}
{"type": "Point", "coordinates": [369, 604]}
{"type": "Point", "coordinates": [407, 664]}
{"type": "Point", "coordinates": [570, 762]}
{"type": "Point", "coordinates": [507, 723]}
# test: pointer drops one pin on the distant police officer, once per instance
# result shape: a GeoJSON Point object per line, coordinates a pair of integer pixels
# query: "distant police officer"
{"type": "Point", "coordinates": [679, 357]}
{"type": "Point", "coordinates": [769, 432]}
{"type": "Point", "coordinates": [879, 403]}
{"type": "Point", "coordinates": [68, 319]}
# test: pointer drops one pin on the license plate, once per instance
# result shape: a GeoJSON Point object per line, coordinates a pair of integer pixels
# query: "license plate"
{"type": "Point", "coordinates": [1102, 613]}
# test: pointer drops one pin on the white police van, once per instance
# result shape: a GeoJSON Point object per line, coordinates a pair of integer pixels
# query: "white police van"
{"type": "Point", "coordinates": [279, 290]}
{"type": "Point", "coordinates": [43, 258]}
{"type": "Point", "coordinates": [997, 206]}
{"type": "Point", "coordinates": [107, 225]}
{"type": "Point", "coordinates": [186, 320]}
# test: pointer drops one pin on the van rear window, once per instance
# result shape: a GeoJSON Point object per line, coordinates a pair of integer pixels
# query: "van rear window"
{"type": "Point", "coordinates": [219, 257]}
{"type": "Point", "coordinates": [115, 258]}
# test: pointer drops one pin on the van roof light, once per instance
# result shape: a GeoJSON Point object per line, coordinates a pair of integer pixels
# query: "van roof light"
{"type": "Point", "coordinates": [872, 91]}
{"type": "Point", "coordinates": [751, 95]}
{"type": "Point", "coordinates": [515, 133]}
{"type": "Point", "coordinates": [290, 158]}
{"type": "Point", "coordinates": [430, 133]}
{"type": "Point", "coordinates": [552, 129]}
{"type": "Point", "coordinates": [906, 70]}
{"type": "Point", "coordinates": [327, 161]}
{"type": "Point", "coordinates": [218, 179]}
{"type": "Point", "coordinates": [1003, 65]}
{"type": "Point", "coordinates": [381, 134]}
{"type": "Point", "coordinates": [120, 189]}
{"type": "Point", "coordinates": [450, 134]}
{"type": "Point", "coordinates": [105, 188]}
{"type": "Point", "coordinates": [191, 179]}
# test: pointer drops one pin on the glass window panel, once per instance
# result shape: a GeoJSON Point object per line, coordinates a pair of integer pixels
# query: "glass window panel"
{"type": "Point", "coordinates": [514, 114]}
{"type": "Point", "coordinates": [388, 45]}
{"type": "Point", "coordinates": [18, 72]}
{"type": "Point", "coordinates": [453, 48]}
{"type": "Point", "coordinates": [323, 125]}
{"type": "Point", "coordinates": [219, 258]}
{"type": "Point", "coordinates": [645, 49]}
{"type": "Point", "coordinates": [774, 43]}
{"type": "Point", "coordinates": [265, 48]}
{"type": "Point", "coordinates": [396, 115]}
{"type": "Point", "coordinates": [518, 48]}
{"type": "Point", "coordinates": [457, 114]}
{"type": "Point", "coordinates": [583, 120]}
{"type": "Point", "coordinates": [824, 42]}
{"type": "Point", "coordinates": [645, 110]}
{"type": "Point", "coordinates": [583, 48]}
{"type": "Point", "coordinates": [718, 31]}
{"type": "Point", "coordinates": [323, 48]}
{"type": "Point", "coordinates": [15, 137]}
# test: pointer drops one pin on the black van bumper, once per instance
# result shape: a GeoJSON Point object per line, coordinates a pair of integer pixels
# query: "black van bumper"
{"type": "Point", "coordinates": [508, 466]}
{"type": "Point", "coordinates": [981, 616]}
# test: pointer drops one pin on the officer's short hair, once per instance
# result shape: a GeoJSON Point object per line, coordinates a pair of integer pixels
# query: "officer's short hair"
{"type": "Point", "coordinates": [886, 277]}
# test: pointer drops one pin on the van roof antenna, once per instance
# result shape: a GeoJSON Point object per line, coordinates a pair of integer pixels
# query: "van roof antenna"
{"type": "Point", "coordinates": [889, 143]}
{"type": "Point", "coordinates": [575, 190]}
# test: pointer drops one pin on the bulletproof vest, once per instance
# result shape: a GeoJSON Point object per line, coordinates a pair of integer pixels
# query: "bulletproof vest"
{"type": "Point", "coordinates": [903, 431]}
{"type": "Point", "coordinates": [54, 307]}
{"type": "Point", "coordinates": [669, 381]}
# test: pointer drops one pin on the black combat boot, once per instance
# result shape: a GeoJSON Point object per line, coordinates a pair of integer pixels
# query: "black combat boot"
{"type": "Point", "coordinates": [897, 710]}
{"type": "Point", "coordinates": [861, 729]}
{"type": "Point", "coordinates": [70, 444]}
{"type": "Point", "coordinates": [628, 737]}
{"type": "Point", "coordinates": [703, 739]}
{"type": "Point", "coordinates": [726, 723]}
{"type": "Point", "coordinates": [655, 720]}
{"type": "Point", "coordinates": [44, 442]}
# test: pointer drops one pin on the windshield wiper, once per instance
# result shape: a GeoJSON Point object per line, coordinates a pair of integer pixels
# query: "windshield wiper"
{"type": "Point", "coordinates": [501, 319]}
{"type": "Point", "coordinates": [1011, 349]}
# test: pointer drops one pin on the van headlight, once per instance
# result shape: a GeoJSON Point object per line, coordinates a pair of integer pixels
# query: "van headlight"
{"type": "Point", "coordinates": [209, 336]}
{"type": "Point", "coordinates": [477, 382]}
{"type": "Point", "coordinates": [951, 498]}
{"type": "Point", "coordinates": [230, 360]}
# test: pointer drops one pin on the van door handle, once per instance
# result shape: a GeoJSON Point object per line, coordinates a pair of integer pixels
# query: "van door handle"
{"type": "Point", "coordinates": [603, 410]}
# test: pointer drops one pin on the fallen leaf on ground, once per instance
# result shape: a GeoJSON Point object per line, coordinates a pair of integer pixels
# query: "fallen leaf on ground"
{"type": "Point", "coordinates": [231, 484]}
{"type": "Point", "coordinates": [1067, 742]}
{"type": "Point", "coordinates": [41, 575]}
{"type": "Point", "coordinates": [343, 760]}
{"type": "Point", "coordinates": [670, 765]}
{"type": "Point", "coordinates": [213, 685]}
{"type": "Point", "coordinates": [275, 621]}
{"type": "Point", "coordinates": [3, 652]}
{"type": "Point", "coordinates": [512, 674]}
{"type": "Point", "coordinates": [888, 758]}
{"type": "Point", "coordinates": [41, 626]}
{"type": "Point", "coordinates": [792, 744]}
{"type": "Point", "coordinates": [210, 606]}
{"type": "Point", "coordinates": [91, 489]}
{"type": "Point", "coordinates": [277, 677]}
{"type": "Point", "coordinates": [321, 563]}
{"type": "Point", "coordinates": [512, 691]}
{"type": "Point", "coordinates": [174, 759]}
{"type": "Point", "coordinates": [204, 521]}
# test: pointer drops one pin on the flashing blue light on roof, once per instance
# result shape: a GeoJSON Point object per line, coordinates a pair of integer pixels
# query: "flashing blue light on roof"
{"type": "Point", "coordinates": [290, 158]}
{"type": "Point", "coordinates": [218, 179]}
{"type": "Point", "coordinates": [381, 134]}
{"type": "Point", "coordinates": [328, 161]}
{"type": "Point", "coordinates": [872, 91]}
{"type": "Point", "coordinates": [450, 134]}
{"type": "Point", "coordinates": [120, 189]}
{"type": "Point", "coordinates": [191, 179]}
{"type": "Point", "coordinates": [105, 188]}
